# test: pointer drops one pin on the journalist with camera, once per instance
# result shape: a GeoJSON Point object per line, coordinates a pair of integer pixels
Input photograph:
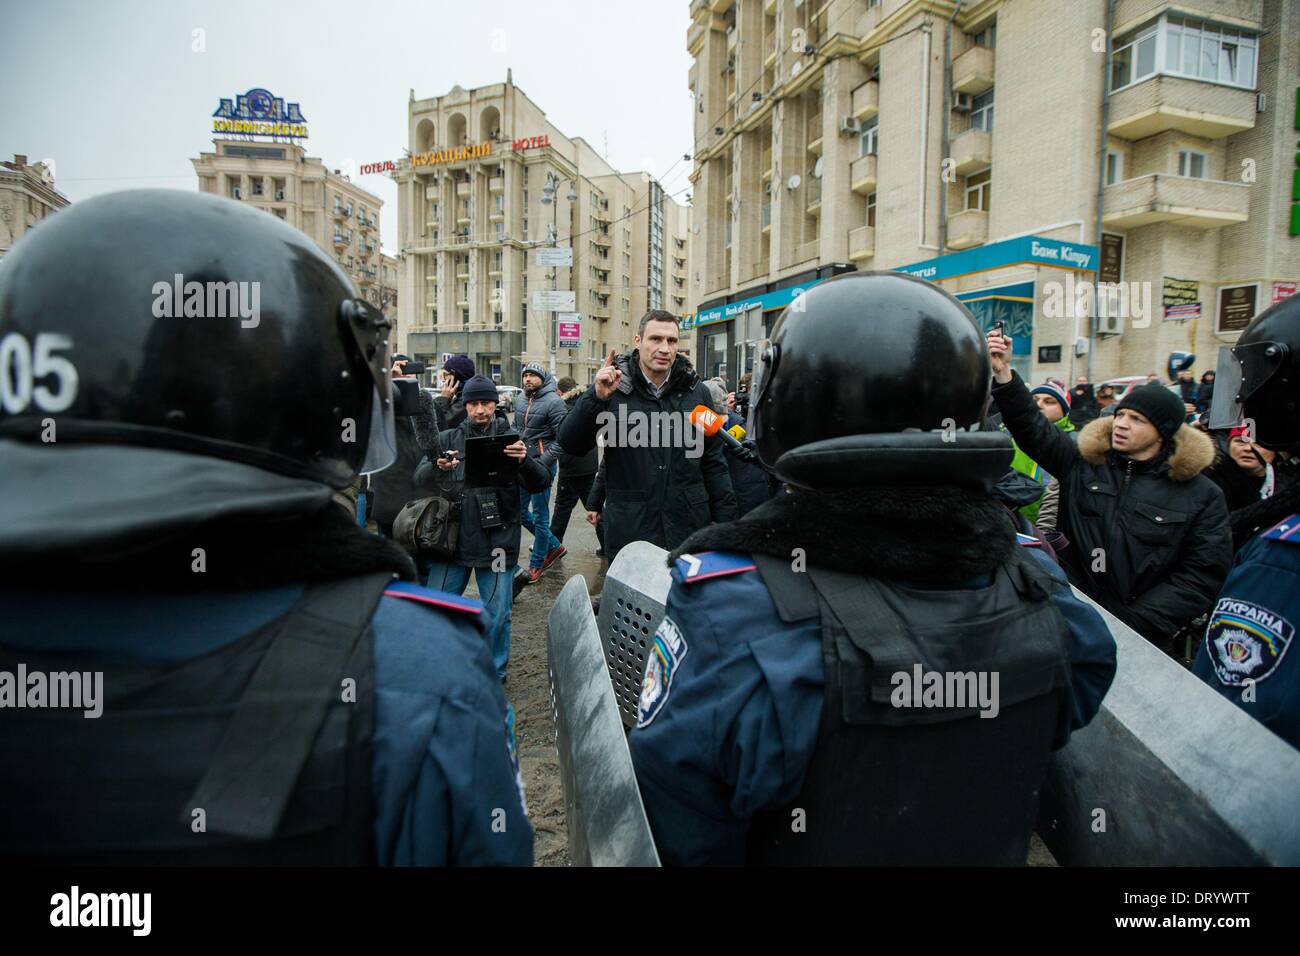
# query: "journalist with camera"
{"type": "Point", "coordinates": [474, 481]}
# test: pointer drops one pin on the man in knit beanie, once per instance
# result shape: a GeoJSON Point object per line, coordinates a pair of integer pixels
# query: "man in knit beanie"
{"type": "Point", "coordinates": [1148, 533]}
{"type": "Point", "coordinates": [1054, 404]}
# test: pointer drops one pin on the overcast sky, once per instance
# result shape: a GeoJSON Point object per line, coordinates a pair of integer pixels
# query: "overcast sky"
{"type": "Point", "coordinates": [113, 92]}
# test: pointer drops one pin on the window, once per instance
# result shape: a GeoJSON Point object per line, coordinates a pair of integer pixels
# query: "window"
{"type": "Point", "coordinates": [464, 316]}
{"type": "Point", "coordinates": [981, 112]}
{"type": "Point", "coordinates": [871, 210]}
{"type": "Point", "coordinates": [1191, 163]}
{"type": "Point", "coordinates": [978, 186]}
{"type": "Point", "coordinates": [1114, 167]}
{"type": "Point", "coordinates": [1182, 47]}
{"type": "Point", "coordinates": [500, 229]}
{"type": "Point", "coordinates": [988, 37]}
{"type": "Point", "coordinates": [870, 136]}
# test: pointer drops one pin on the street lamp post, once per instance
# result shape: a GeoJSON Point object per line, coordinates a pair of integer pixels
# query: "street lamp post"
{"type": "Point", "coordinates": [548, 196]}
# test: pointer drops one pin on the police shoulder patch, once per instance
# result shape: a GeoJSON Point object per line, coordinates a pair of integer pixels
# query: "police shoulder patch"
{"type": "Point", "coordinates": [1288, 530]}
{"type": "Point", "coordinates": [1245, 641]}
{"type": "Point", "coordinates": [666, 653]}
{"type": "Point", "coordinates": [444, 599]}
{"type": "Point", "coordinates": [693, 568]}
{"type": "Point", "coordinates": [1028, 540]}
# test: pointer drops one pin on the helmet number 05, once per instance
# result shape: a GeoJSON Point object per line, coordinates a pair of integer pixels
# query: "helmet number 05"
{"type": "Point", "coordinates": [22, 367]}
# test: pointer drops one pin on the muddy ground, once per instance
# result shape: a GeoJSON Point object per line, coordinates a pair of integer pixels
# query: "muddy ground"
{"type": "Point", "coordinates": [528, 687]}
{"type": "Point", "coordinates": [529, 690]}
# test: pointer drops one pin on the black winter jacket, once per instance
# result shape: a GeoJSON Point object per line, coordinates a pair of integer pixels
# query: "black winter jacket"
{"type": "Point", "coordinates": [576, 466]}
{"type": "Point", "coordinates": [1149, 540]}
{"type": "Point", "coordinates": [654, 494]}
{"type": "Point", "coordinates": [475, 546]}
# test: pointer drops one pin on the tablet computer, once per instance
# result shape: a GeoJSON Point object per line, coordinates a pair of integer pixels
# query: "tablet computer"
{"type": "Point", "coordinates": [486, 461]}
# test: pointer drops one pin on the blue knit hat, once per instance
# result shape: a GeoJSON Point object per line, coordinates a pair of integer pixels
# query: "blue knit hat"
{"type": "Point", "coordinates": [537, 368]}
{"type": "Point", "coordinates": [462, 366]}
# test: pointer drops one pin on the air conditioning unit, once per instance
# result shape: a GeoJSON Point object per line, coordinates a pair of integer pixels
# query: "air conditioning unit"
{"type": "Point", "coordinates": [279, 194]}
{"type": "Point", "coordinates": [961, 102]}
{"type": "Point", "coordinates": [850, 125]}
{"type": "Point", "coordinates": [1110, 324]}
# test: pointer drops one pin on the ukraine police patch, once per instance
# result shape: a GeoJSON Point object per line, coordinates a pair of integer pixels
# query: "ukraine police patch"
{"type": "Point", "coordinates": [1245, 641]}
{"type": "Point", "coordinates": [667, 652]}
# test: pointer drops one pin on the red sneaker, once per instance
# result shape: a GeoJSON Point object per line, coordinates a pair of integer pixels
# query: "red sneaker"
{"type": "Point", "coordinates": [553, 556]}
{"type": "Point", "coordinates": [535, 574]}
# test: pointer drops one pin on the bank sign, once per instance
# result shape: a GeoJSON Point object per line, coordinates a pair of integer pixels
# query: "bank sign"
{"type": "Point", "coordinates": [258, 113]}
{"type": "Point", "coordinates": [1025, 250]}
{"type": "Point", "coordinates": [767, 302]}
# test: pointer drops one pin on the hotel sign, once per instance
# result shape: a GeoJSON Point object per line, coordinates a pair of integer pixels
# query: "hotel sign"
{"type": "Point", "coordinates": [455, 154]}
{"type": "Point", "coordinates": [258, 113]}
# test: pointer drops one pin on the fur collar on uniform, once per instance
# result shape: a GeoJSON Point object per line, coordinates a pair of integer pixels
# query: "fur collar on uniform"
{"type": "Point", "coordinates": [1193, 450]}
{"type": "Point", "coordinates": [925, 535]}
{"type": "Point", "coordinates": [681, 376]}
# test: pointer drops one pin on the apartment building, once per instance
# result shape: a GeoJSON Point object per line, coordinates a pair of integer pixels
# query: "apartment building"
{"type": "Point", "coordinates": [962, 142]}
{"type": "Point", "coordinates": [490, 195]}
{"type": "Point", "coordinates": [339, 216]}
{"type": "Point", "coordinates": [27, 196]}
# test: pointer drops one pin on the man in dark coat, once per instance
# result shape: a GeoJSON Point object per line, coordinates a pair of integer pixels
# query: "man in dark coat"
{"type": "Point", "coordinates": [488, 544]}
{"type": "Point", "coordinates": [577, 472]}
{"type": "Point", "coordinates": [1149, 536]}
{"type": "Point", "coordinates": [658, 491]}
{"type": "Point", "coordinates": [538, 414]}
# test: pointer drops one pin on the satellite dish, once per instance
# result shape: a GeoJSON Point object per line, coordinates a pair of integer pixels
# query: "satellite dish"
{"type": "Point", "coordinates": [817, 170]}
{"type": "Point", "coordinates": [793, 182]}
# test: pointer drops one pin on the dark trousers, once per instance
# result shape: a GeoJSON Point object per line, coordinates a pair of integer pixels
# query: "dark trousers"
{"type": "Point", "coordinates": [569, 492]}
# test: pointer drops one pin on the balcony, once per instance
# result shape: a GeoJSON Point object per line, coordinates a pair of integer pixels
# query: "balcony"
{"type": "Point", "coordinates": [806, 252]}
{"type": "Point", "coordinates": [866, 100]}
{"type": "Point", "coordinates": [463, 218]}
{"type": "Point", "coordinates": [496, 184]}
{"type": "Point", "coordinates": [339, 213]}
{"type": "Point", "coordinates": [815, 134]}
{"type": "Point", "coordinates": [463, 188]}
{"type": "Point", "coordinates": [972, 72]}
{"type": "Point", "coordinates": [813, 194]}
{"type": "Point", "coordinates": [342, 238]}
{"type": "Point", "coordinates": [862, 175]}
{"type": "Point", "coordinates": [968, 228]}
{"type": "Point", "coordinates": [862, 243]}
{"type": "Point", "coordinates": [494, 270]}
{"type": "Point", "coordinates": [462, 272]}
{"type": "Point", "coordinates": [601, 239]}
{"type": "Point", "coordinates": [1199, 203]}
{"type": "Point", "coordinates": [972, 151]}
{"type": "Point", "coordinates": [1190, 106]}
{"type": "Point", "coordinates": [695, 38]}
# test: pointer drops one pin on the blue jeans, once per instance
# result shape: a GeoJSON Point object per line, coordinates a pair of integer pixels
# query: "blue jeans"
{"type": "Point", "coordinates": [496, 593]}
{"type": "Point", "coordinates": [539, 521]}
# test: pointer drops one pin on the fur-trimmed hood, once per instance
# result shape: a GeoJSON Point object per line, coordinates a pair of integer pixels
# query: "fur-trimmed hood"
{"type": "Point", "coordinates": [1193, 450]}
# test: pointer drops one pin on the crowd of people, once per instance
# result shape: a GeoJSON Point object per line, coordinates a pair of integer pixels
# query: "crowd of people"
{"type": "Point", "coordinates": [254, 541]}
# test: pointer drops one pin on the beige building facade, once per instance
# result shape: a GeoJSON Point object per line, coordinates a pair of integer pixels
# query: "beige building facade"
{"type": "Point", "coordinates": [488, 192]}
{"type": "Point", "coordinates": [27, 196]}
{"type": "Point", "coordinates": [963, 143]}
{"type": "Point", "coordinates": [339, 216]}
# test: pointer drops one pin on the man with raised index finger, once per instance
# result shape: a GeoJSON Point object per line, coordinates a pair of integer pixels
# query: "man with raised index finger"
{"type": "Point", "coordinates": [657, 491]}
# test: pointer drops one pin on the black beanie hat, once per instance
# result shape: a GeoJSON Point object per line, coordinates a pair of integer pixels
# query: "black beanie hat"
{"type": "Point", "coordinates": [1161, 407]}
{"type": "Point", "coordinates": [479, 389]}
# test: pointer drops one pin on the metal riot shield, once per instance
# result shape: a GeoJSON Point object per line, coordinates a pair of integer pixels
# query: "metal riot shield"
{"type": "Point", "coordinates": [1169, 774]}
{"type": "Point", "coordinates": [606, 820]}
{"type": "Point", "coordinates": [632, 603]}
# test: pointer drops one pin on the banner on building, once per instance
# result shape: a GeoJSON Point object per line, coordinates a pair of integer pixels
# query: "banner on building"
{"type": "Point", "coordinates": [1188, 310]}
{"type": "Point", "coordinates": [558, 256]}
{"type": "Point", "coordinates": [1283, 290]}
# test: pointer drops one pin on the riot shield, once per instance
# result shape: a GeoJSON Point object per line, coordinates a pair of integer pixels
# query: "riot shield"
{"type": "Point", "coordinates": [632, 603]}
{"type": "Point", "coordinates": [1169, 773]}
{"type": "Point", "coordinates": [606, 820]}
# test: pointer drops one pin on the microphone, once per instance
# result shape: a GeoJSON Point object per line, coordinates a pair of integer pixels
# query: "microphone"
{"type": "Point", "coordinates": [710, 422]}
{"type": "Point", "coordinates": [737, 431]}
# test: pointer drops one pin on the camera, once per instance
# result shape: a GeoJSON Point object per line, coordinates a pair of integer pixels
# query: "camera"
{"type": "Point", "coordinates": [489, 511]}
{"type": "Point", "coordinates": [406, 397]}
{"type": "Point", "coordinates": [412, 367]}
